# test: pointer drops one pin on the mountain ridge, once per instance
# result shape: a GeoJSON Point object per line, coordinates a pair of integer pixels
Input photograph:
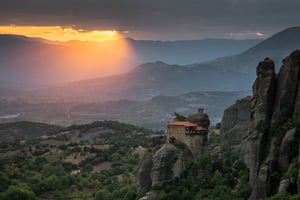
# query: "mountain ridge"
{"type": "Point", "coordinates": [51, 62]}
{"type": "Point", "coordinates": [288, 39]}
{"type": "Point", "coordinates": [276, 47]}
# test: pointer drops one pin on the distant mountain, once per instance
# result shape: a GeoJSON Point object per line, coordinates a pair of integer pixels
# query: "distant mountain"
{"type": "Point", "coordinates": [281, 42]}
{"type": "Point", "coordinates": [33, 62]}
{"type": "Point", "coordinates": [147, 81]}
{"type": "Point", "coordinates": [30, 62]}
{"type": "Point", "coordinates": [188, 51]}
{"type": "Point", "coordinates": [276, 47]}
{"type": "Point", "coordinates": [158, 78]}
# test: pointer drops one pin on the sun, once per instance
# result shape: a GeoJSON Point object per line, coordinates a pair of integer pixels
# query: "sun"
{"type": "Point", "coordinates": [58, 33]}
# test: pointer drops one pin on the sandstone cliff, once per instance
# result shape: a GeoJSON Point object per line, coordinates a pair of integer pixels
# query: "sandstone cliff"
{"type": "Point", "coordinates": [269, 129]}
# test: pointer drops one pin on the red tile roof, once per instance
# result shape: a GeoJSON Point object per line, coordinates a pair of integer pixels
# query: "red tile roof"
{"type": "Point", "coordinates": [186, 124]}
{"type": "Point", "coordinates": [200, 128]}
{"type": "Point", "coordinates": [181, 123]}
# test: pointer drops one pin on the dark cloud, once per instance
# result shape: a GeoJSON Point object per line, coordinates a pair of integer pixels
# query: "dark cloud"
{"type": "Point", "coordinates": [158, 19]}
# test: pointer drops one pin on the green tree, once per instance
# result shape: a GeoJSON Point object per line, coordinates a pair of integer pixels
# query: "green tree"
{"type": "Point", "coordinates": [87, 167]}
{"type": "Point", "coordinates": [171, 196]}
{"type": "Point", "coordinates": [242, 190]}
{"type": "Point", "coordinates": [179, 117]}
{"type": "Point", "coordinates": [102, 195]}
{"type": "Point", "coordinates": [50, 169]}
{"type": "Point", "coordinates": [130, 195]}
{"type": "Point", "coordinates": [4, 182]}
{"type": "Point", "coordinates": [19, 193]}
{"type": "Point", "coordinates": [84, 183]}
{"type": "Point", "coordinates": [53, 183]}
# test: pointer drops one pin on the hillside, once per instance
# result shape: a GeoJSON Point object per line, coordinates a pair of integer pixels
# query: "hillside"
{"type": "Point", "coordinates": [77, 162]}
{"type": "Point", "coordinates": [26, 130]}
{"type": "Point", "coordinates": [95, 161]}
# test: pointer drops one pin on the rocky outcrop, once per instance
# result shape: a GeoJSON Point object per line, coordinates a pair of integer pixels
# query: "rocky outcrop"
{"type": "Point", "coordinates": [200, 118]}
{"type": "Point", "coordinates": [271, 142]}
{"type": "Point", "coordinates": [216, 153]}
{"type": "Point", "coordinates": [284, 184]}
{"type": "Point", "coordinates": [167, 163]}
{"type": "Point", "coordinates": [259, 126]}
{"type": "Point", "coordinates": [144, 178]}
{"type": "Point", "coordinates": [235, 121]}
{"type": "Point", "coordinates": [298, 178]}
{"type": "Point", "coordinates": [287, 85]}
{"type": "Point", "coordinates": [286, 150]}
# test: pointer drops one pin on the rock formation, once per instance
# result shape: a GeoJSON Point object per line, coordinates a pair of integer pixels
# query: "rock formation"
{"type": "Point", "coordinates": [298, 177]}
{"type": "Point", "coordinates": [167, 163]}
{"type": "Point", "coordinates": [144, 180]}
{"type": "Point", "coordinates": [270, 138]}
{"type": "Point", "coordinates": [200, 118]}
{"type": "Point", "coordinates": [287, 145]}
{"type": "Point", "coordinates": [234, 125]}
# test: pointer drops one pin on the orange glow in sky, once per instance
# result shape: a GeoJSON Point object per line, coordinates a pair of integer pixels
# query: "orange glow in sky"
{"type": "Point", "coordinates": [58, 33]}
{"type": "Point", "coordinates": [81, 54]}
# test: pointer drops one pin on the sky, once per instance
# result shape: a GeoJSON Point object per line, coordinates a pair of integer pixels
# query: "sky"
{"type": "Point", "coordinates": [157, 19]}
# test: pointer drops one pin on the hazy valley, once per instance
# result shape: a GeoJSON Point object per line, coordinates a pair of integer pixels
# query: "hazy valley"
{"type": "Point", "coordinates": [152, 113]}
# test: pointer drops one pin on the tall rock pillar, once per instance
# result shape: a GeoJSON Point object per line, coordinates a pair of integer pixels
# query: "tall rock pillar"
{"type": "Point", "coordinates": [256, 146]}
